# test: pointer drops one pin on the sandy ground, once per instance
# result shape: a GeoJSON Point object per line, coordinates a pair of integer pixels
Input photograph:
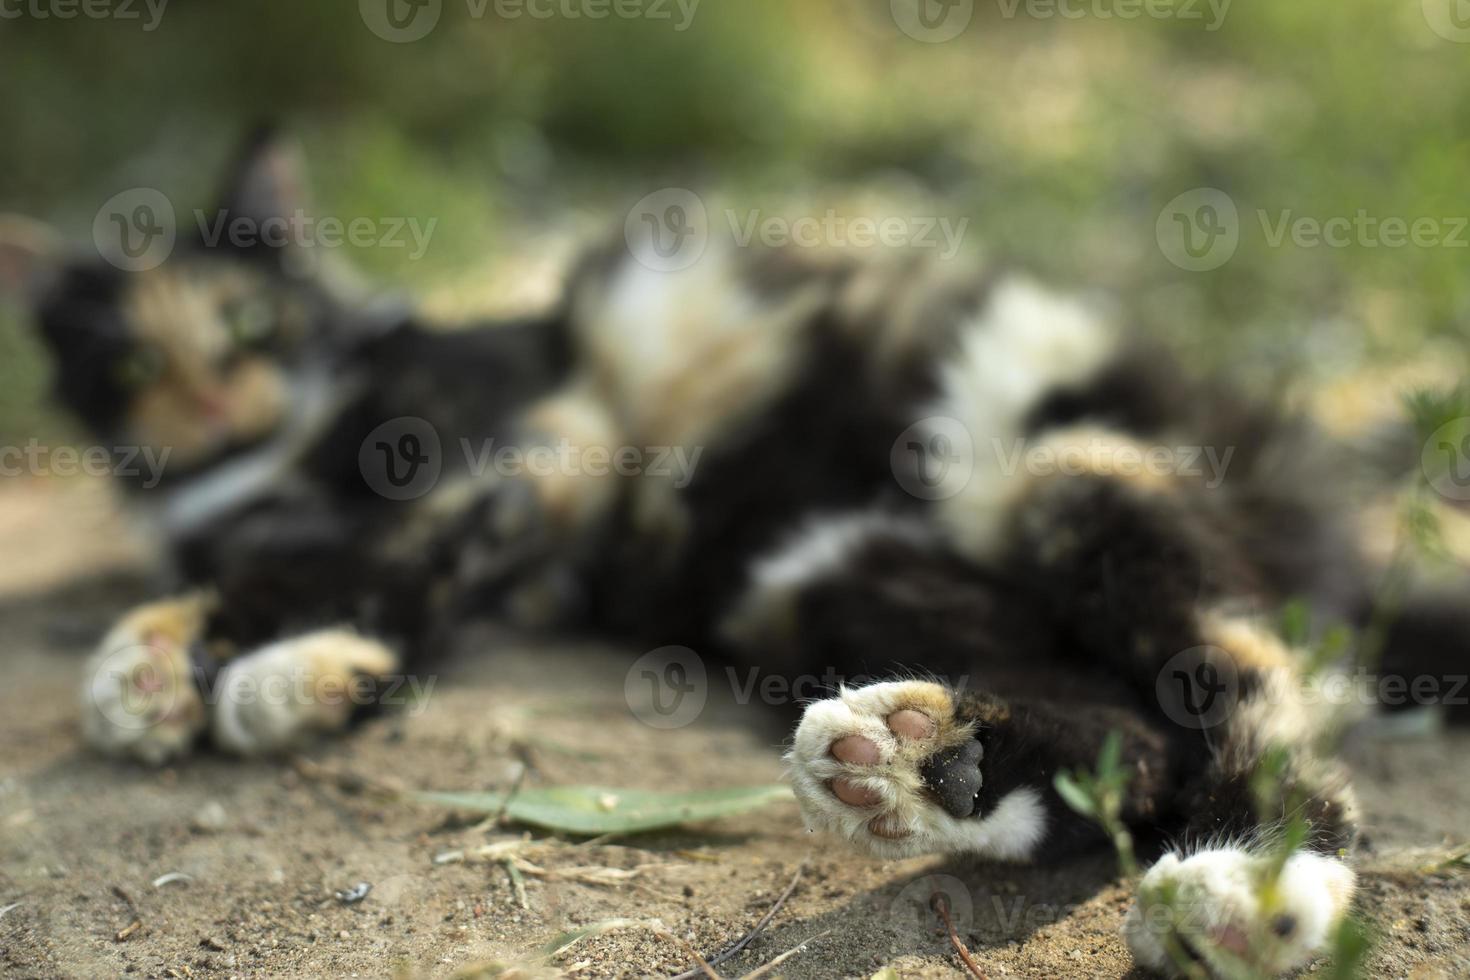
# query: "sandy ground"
{"type": "Point", "coordinates": [265, 846]}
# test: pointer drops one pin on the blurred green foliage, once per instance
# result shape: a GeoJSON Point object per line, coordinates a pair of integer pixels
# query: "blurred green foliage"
{"type": "Point", "coordinates": [1060, 138]}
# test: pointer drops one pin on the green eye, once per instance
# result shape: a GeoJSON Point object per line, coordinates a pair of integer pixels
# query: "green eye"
{"type": "Point", "coordinates": [251, 321]}
{"type": "Point", "coordinates": [139, 368]}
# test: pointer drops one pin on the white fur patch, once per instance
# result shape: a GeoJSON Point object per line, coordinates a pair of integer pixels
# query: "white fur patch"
{"type": "Point", "coordinates": [1213, 900]}
{"type": "Point", "coordinates": [822, 547]}
{"type": "Point", "coordinates": [680, 357]}
{"type": "Point", "coordinates": [275, 697]}
{"type": "Point", "coordinates": [1024, 344]}
{"type": "Point", "coordinates": [1010, 832]}
{"type": "Point", "coordinates": [138, 697]}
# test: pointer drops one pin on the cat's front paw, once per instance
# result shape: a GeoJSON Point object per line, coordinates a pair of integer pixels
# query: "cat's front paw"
{"type": "Point", "coordinates": [892, 768]}
{"type": "Point", "coordinates": [1215, 908]}
{"type": "Point", "coordinates": [279, 696]}
{"type": "Point", "coordinates": [139, 699]}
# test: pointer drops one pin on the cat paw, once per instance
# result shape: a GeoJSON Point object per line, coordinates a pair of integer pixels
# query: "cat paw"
{"type": "Point", "coordinates": [279, 696]}
{"type": "Point", "coordinates": [139, 699]}
{"type": "Point", "coordinates": [893, 769]}
{"type": "Point", "coordinates": [1210, 909]}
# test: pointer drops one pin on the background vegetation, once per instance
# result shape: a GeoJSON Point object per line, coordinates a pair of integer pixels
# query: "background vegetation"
{"type": "Point", "coordinates": [1061, 139]}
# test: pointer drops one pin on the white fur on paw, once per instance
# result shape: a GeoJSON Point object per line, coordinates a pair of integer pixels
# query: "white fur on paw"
{"type": "Point", "coordinates": [902, 818]}
{"type": "Point", "coordinates": [276, 697]}
{"type": "Point", "coordinates": [1213, 903]}
{"type": "Point", "coordinates": [138, 697]}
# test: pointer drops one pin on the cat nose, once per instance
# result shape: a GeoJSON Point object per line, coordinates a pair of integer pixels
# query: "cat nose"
{"type": "Point", "coordinates": [953, 776]}
{"type": "Point", "coordinates": [213, 407]}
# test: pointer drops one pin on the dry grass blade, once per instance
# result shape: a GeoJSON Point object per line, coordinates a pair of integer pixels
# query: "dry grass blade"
{"type": "Point", "coordinates": [704, 967]}
{"type": "Point", "coordinates": [767, 968]}
{"type": "Point", "coordinates": [749, 936]}
{"type": "Point", "coordinates": [940, 903]}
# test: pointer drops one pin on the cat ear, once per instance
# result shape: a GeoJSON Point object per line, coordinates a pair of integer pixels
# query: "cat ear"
{"type": "Point", "coordinates": [30, 256]}
{"type": "Point", "coordinates": [267, 178]}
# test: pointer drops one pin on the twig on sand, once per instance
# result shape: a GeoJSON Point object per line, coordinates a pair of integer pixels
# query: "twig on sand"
{"type": "Point", "coordinates": [940, 903]}
{"type": "Point", "coordinates": [761, 971]}
{"type": "Point", "coordinates": [127, 931]}
{"type": "Point", "coordinates": [495, 819]}
{"type": "Point", "coordinates": [744, 941]}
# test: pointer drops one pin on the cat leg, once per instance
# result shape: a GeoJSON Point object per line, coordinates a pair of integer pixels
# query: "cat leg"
{"type": "Point", "coordinates": [1146, 574]}
{"type": "Point", "coordinates": [277, 697]}
{"type": "Point", "coordinates": [139, 698]}
{"type": "Point", "coordinates": [906, 768]}
{"type": "Point", "coordinates": [910, 767]}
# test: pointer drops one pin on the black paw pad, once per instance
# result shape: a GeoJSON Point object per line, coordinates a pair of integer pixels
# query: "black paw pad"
{"type": "Point", "coordinates": [954, 777]}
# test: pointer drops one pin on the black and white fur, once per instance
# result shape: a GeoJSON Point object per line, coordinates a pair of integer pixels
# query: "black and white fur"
{"type": "Point", "coordinates": [1050, 603]}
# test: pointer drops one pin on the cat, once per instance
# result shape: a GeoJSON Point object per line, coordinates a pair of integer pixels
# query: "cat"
{"type": "Point", "coordinates": [888, 465]}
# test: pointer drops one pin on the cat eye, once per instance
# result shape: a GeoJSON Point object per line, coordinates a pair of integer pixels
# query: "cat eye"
{"type": "Point", "coordinates": [139, 368]}
{"type": "Point", "coordinates": [250, 321]}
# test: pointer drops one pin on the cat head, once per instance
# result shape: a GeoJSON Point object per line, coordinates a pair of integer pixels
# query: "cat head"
{"type": "Point", "coordinates": [195, 356]}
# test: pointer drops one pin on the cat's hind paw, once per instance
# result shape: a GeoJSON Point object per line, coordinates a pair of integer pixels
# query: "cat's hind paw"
{"type": "Point", "coordinates": [1215, 909]}
{"type": "Point", "coordinates": [139, 697]}
{"type": "Point", "coordinates": [275, 698]}
{"type": "Point", "coordinates": [892, 768]}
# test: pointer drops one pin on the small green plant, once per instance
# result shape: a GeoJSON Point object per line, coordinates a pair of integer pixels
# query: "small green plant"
{"type": "Point", "coordinates": [1099, 796]}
